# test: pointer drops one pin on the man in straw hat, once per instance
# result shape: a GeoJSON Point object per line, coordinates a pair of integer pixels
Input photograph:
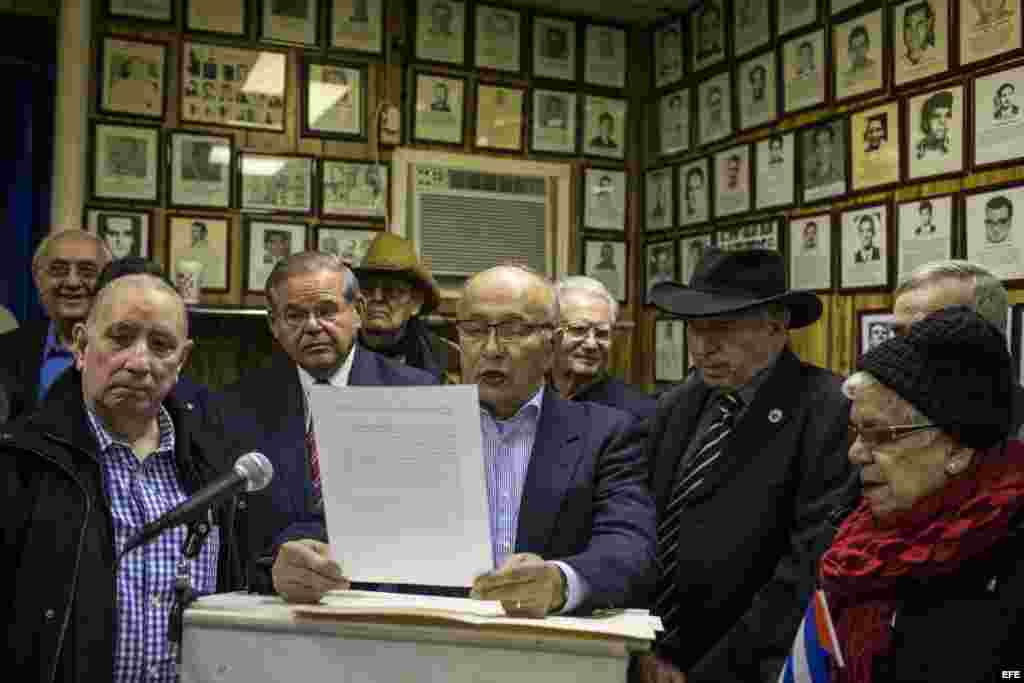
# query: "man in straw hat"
{"type": "Point", "coordinates": [397, 291]}
{"type": "Point", "coordinates": [745, 458]}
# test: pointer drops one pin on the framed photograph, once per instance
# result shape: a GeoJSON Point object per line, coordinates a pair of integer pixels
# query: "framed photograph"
{"type": "Point", "coordinates": [775, 172]}
{"type": "Point", "coordinates": [874, 326]}
{"type": "Point", "coordinates": [695, 193]}
{"type": "Point", "coordinates": [988, 29]}
{"type": "Point", "coordinates": [674, 122]}
{"type": "Point", "coordinates": [670, 359]}
{"type": "Point", "coordinates": [500, 117]}
{"type": "Point", "coordinates": [357, 26]}
{"type": "Point", "coordinates": [668, 53]}
{"type": "Point", "coordinates": [554, 122]}
{"type": "Point", "coordinates": [840, 6]}
{"type": "Point", "coordinates": [993, 226]}
{"type": "Point", "coordinates": [810, 252]}
{"type": "Point", "coordinates": [354, 189]}
{"type": "Point", "coordinates": [707, 33]}
{"type": "Point", "coordinates": [935, 139]}
{"type": "Point", "coordinates": [200, 170]}
{"type": "Point", "coordinates": [133, 78]}
{"type": "Point", "coordinates": [823, 151]}
{"type": "Point", "coordinates": [126, 232]}
{"type": "Point", "coordinates": [757, 91]}
{"type": "Point", "coordinates": [660, 259]}
{"type": "Point", "coordinates": [217, 17]}
{"type": "Point", "coordinates": [282, 182]}
{"type": "Point", "coordinates": [604, 126]}
{"type": "Point", "coordinates": [290, 21]}
{"type": "Point", "coordinates": [922, 43]}
{"type": "Point", "coordinates": [761, 235]}
{"type": "Point", "coordinates": [864, 247]}
{"type": "Point", "coordinates": [126, 162]}
{"type": "Point", "coordinates": [691, 251]}
{"type": "Point", "coordinates": [604, 199]}
{"type": "Point", "coordinates": [439, 114]}
{"type": "Point", "coordinates": [441, 31]}
{"type": "Point", "coordinates": [149, 10]}
{"type": "Point", "coordinates": [554, 48]}
{"type": "Point", "coordinates": [793, 15]}
{"type": "Point", "coordinates": [204, 240]}
{"type": "Point", "coordinates": [605, 50]}
{"type": "Point", "coordinates": [924, 232]}
{"type": "Point", "coordinates": [804, 70]}
{"type": "Point", "coordinates": [333, 100]}
{"type": "Point", "coordinates": [734, 193]}
{"type": "Point", "coordinates": [605, 261]}
{"type": "Point", "coordinates": [216, 89]}
{"type": "Point", "coordinates": [264, 243]}
{"type": "Point", "coordinates": [348, 244]}
{"type": "Point", "coordinates": [875, 137]}
{"type": "Point", "coordinates": [659, 211]}
{"type": "Point", "coordinates": [751, 26]}
{"type": "Point", "coordinates": [998, 118]}
{"type": "Point", "coordinates": [858, 50]}
{"type": "Point", "coordinates": [714, 109]}
{"type": "Point", "coordinates": [499, 38]}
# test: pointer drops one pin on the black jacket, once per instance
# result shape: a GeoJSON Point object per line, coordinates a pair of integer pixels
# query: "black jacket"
{"type": "Point", "coordinates": [58, 584]}
{"type": "Point", "coordinates": [21, 355]}
{"type": "Point", "coordinates": [613, 392]}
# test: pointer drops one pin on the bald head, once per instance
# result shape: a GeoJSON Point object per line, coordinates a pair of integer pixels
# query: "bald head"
{"type": "Point", "coordinates": [119, 288]}
{"type": "Point", "coordinates": [539, 297]}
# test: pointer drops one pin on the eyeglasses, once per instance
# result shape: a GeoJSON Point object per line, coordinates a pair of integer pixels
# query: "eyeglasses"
{"type": "Point", "coordinates": [873, 437]}
{"type": "Point", "coordinates": [298, 317]}
{"type": "Point", "coordinates": [507, 330]}
{"type": "Point", "coordinates": [580, 331]}
{"type": "Point", "coordinates": [62, 269]}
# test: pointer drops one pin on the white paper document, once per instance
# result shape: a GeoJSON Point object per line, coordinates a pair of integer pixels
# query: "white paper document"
{"type": "Point", "coordinates": [404, 488]}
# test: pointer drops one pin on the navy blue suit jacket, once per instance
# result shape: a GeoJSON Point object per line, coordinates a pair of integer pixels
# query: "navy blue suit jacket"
{"type": "Point", "coordinates": [613, 392]}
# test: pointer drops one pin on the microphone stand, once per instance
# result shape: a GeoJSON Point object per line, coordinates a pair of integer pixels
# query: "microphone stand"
{"type": "Point", "coordinates": [184, 595]}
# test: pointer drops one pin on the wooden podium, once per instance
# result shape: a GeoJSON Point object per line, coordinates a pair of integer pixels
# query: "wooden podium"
{"type": "Point", "coordinates": [249, 638]}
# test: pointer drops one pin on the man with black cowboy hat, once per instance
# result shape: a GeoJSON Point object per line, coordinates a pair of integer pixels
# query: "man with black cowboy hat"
{"type": "Point", "coordinates": [745, 456]}
{"type": "Point", "coordinates": [397, 291]}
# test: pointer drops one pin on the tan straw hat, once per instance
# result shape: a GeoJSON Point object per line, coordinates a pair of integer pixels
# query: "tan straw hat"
{"type": "Point", "coordinates": [391, 254]}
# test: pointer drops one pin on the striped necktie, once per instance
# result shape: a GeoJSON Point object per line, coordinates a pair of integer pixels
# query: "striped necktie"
{"type": "Point", "coordinates": [691, 475]}
{"type": "Point", "coordinates": [313, 453]}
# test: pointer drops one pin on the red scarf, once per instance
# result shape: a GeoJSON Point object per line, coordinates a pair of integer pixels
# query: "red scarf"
{"type": "Point", "coordinates": [863, 571]}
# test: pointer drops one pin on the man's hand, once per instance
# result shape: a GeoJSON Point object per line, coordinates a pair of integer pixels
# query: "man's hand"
{"type": "Point", "coordinates": [526, 585]}
{"type": "Point", "coordinates": [304, 571]}
{"type": "Point", "coordinates": [651, 668]}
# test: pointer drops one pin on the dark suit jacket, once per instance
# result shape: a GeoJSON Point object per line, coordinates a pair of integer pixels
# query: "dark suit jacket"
{"type": "Point", "coordinates": [749, 542]}
{"type": "Point", "coordinates": [613, 392]}
{"type": "Point", "coordinates": [265, 412]}
{"type": "Point", "coordinates": [21, 355]}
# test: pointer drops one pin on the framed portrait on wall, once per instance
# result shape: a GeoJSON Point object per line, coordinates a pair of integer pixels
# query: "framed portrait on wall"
{"type": "Point", "coordinates": [217, 17]}
{"type": "Point", "coordinates": [875, 136]}
{"type": "Point", "coordinates": [858, 49]}
{"type": "Point", "coordinates": [294, 22]}
{"type": "Point", "coordinates": [775, 171]}
{"type": "Point", "coordinates": [998, 117]}
{"type": "Point", "coordinates": [674, 122]}
{"type": "Point", "coordinates": [605, 50]}
{"type": "Point", "coordinates": [133, 78]}
{"type": "Point", "coordinates": [200, 170]}
{"type": "Point", "coordinates": [500, 117]}
{"type": "Point", "coordinates": [924, 232]}
{"type": "Point", "coordinates": [810, 252]}
{"type": "Point", "coordinates": [793, 15]}
{"type": "Point", "coordinates": [126, 232]}
{"type": "Point", "coordinates": [126, 162]}
{"type": "Point", "coordinates": [356, 26]}
{"type": "Point", "coordinates": [604, 199]}
{"type": "Point", "coordinates": [499, 38]}
{"type": "Point", "coordinates": [707, 33]}
{"type": "Point", "coordinates": [864, 247]}
{"type": "Point", "coordinates": [439, 111]}
{"type": "Point", "coordinates": [988, 29]}
{"type": "Point", "coordinates": [757, 92]}
{"type": "Point", "coordinates": [935, 133]}
{"type": "Point", "coordinates": [148, 10]}
{"type": "Point", "coordinates": [276, 182]}
{"type": "Point", "coordinates": [695, 193]}
{"type": "Point", "coordinates": [660, 265]}
{"type": "Point", "coordinates": [333, 100]}
{"type": "Point", "coordinates": [441, 31]}
{"type": "Point", "coordinates": [691, 251]}
{"type": "Point", "coordinates": [804, 72]}
{"type": "Point", "coordinates": [354, 189]}
{"type": "Point", "coordinates": [554, 48]}
{"type": "Point", "coordinates": [874, 327]}
{"type": "Point", "coordinates": [670, 359]}
{"type": "Point", "coordinates": [922, 42]}
{"type": "Point", "coordinates": [554, 122]}
{"type": "Point", "coordinates": [760, 235]}
{"type": "Point", "coordinates": [823, 150]}
{"type": "Point", "coordinates": [216, 90]}
{"type": "Point", "coordinates": [992, 223]}
{"type": "Point", "coordinates": [264, 243]}
{"type": "Point", "coordinates": [714, 109]}
{"type": "Point", "coordinates": [604, 126]}
{"type": "Point", "coordinates": [348, 244]}
{"type": "Point", "coordinates": [659, 211]}
{"type": "Point", "coordinates": [840, 6]}
{"type": "Point", "coordinates": [668, 53]}
{"type": "Point", "coordinates": [733, 192]}
{"type": "Point", "coordinates": [201, 239]}
{"type": "Point", "coordinates": [605, 261]}
{"type": "Point", "coordinates": [751, 26]}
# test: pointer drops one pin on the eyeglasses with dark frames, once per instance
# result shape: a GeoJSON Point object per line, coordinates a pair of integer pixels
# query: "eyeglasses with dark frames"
{"type": "Point", "coordinates": [874, 437]}
{"type": "Point", "coordinates": [507, 330]}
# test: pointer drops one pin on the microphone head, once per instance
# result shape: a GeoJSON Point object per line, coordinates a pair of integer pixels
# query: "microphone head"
{"type": "Point", "coordinates": [256, 469]}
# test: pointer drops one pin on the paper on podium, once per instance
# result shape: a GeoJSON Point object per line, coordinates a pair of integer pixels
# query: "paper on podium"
{"type": "Point", "coordinates": [404, 487]}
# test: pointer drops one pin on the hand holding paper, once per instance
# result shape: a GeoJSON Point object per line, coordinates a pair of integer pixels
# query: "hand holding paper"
{"type": "Point", "coordinates": [526, 585]}
{"type": "Point", "coordinates": [304, 572]}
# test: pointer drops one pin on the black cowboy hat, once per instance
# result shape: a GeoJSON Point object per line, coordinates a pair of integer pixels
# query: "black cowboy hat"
{"type": "Point", "coordinates": [727, 282]}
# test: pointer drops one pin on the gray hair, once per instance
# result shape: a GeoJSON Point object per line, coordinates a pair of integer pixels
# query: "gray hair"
{"type": "Point", "coordinates": [989, 297]}
{"type": "Point", "coordinates": [141, 280]}
{"type": "Point", "coordinates": [310, 262]}
{"type": "Point", "coordinates": [862, 381]}
{"type": "Point", "coordinates": [42, 251]}
{"type": "Point", "coordinates": [582, 283]}
{"type": "Point", "coordinates": [551, 292]}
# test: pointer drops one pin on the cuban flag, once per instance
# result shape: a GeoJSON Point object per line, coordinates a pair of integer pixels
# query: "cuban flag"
{"type": "Point", "coordinates": [815, 648]}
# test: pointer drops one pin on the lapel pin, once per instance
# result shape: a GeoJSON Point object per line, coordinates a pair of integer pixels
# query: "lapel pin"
{"type": "Point", "coordinates": [775, 416]}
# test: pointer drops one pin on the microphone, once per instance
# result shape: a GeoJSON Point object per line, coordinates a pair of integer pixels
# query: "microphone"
{"type": "Point", "coordinates": [251, 472]}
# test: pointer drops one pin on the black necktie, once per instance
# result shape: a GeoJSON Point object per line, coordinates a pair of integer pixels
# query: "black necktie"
{"type": "Point", "coordinates": [691, 475]}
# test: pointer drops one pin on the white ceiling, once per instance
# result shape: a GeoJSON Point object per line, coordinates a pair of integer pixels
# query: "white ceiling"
{"type": "Point", "coordinates": [626, 11]}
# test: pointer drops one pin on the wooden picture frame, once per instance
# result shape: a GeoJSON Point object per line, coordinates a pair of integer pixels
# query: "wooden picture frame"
{"type": "Point", "coordinates": [864, 244]}
{"type": "Point", "coordinates": [355, 189]}
{"type": "Point", "coordinates": [281, 183]}
{"type": "Point", "coordinates": [714, 109]}
{"type": "Point", "coordinates": [874, 327]}
{"type": "Point", "coordinates": [439, 108]}
{"type": "Point", "coordinates": [757, 91]}
{"type": "Point", "coordinates": [264, 243]}
{"type": "Point", "coordinates": [993, 236]}
{"type": "Point", "coordinates": [126, 232]}
{"type": "Point", "coordinates": [708, 36]}
{"type": "Point", "coordinates": [985, 39]}
{"type": "Point", "coordinates": [659, 196]}
{"type": "Point", "coordinates": [221, 18]}
{"type": "Point", "coordinates": [775, 172]}
{"type": "Point", "coordinates": [500, 118]}
{"type": "Point", "coordinates": [668, 58]}
{"type": "Point", "coordinates": [555, 48]}
{"type": "Point", "coordinates": [671, 362]}
{"type": "Point", "coordinates": [734, 181]}
{"type": "Point", "coordinates": [149, 11]}
{"type": "Point", "coordinates": [605, 55]}
{"type": "Point", "coordinates": [674, 122]}
{"type": "Point", "coordinates": [922, 45]}
{"type": "Point", "coordinates": [356, 26]}
{"type": "Point", "coordinates": [661, 264]}
{"type": "Point", "coordinates": [201, 170]}
{"type": "Point", "coordinates": [554, 123]}
{"type": "Point", "coordinates": [605, 126]}
{"type": "Point", "coordinates": [810, 253]}
{"type": "Point", "coordinates": [926, 231]}
{"type": "Point", "coordinates": [691, 251]}
{"type": "Point", "coordinates": [935, 139]}
{"type": "Point", "coordinates": [126, 162]}
{"type": "Point", "coordinates": [876, 140]}
{"type": "Point", "coordinates": [804, 76]}
{"type": "Point", "coordinates": [837, 7]}
{"type": "Point", "coordinates": [794, 15]}
{"type": "Point", "coordinates": [607, 261]}
{"type": "Point", "coordinates": [286, 23]}
{"type": "Point", "coordinates": [860, 54]}
{"type": "Point", "coordinates": [605, 198]}
{"type": "Point", "coordinates": [751, 26]}
{"type": "Point", "coordinates": [498, 38]}
{"type": "Point", "coordinates": [203, 238]}
{"type": "Point", "coordinates": [132, 77]}
{"type": "Point", "coordinates": [333, 99]}
{"type": "Point", "coordinates": [694, 193]}
{"type": "Point", "coordinates": [823, 169]}
{"type": "Point", "coordinates": [349, 243]}
{"type": "Point", "coordinates": [765, 233]}
{"type": "Point", "coordinates": [440, 35]}
{"type": "Point", "coordinates": [997, 118]}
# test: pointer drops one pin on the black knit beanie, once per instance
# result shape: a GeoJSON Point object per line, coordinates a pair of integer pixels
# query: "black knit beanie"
{"type": "Point", "coordinates": [953, 366]}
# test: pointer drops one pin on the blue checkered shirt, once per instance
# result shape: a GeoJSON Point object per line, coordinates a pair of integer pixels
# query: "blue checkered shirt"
{"type": "Point", "coordinates": [139, 492]}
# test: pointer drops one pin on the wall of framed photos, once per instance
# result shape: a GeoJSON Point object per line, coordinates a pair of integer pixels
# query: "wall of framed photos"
{"type": "Point", "coordinates": [859, 137]}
